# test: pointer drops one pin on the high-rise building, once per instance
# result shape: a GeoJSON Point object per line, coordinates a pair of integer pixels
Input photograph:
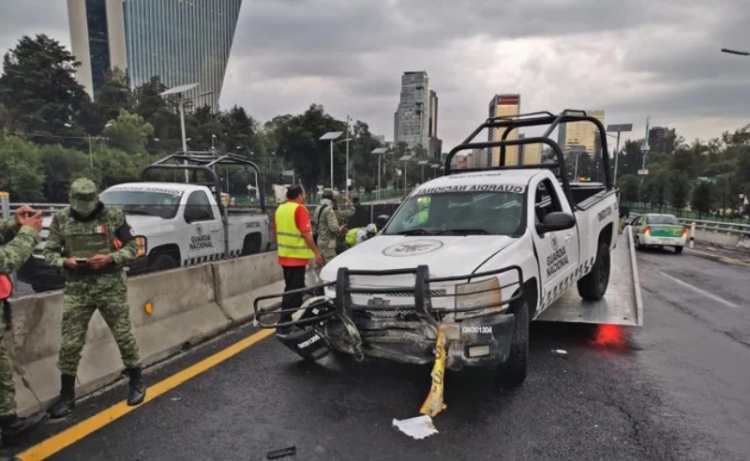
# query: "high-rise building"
{"type": "Point", "coordinates": [97, 37]}
{"type": "Point", "coordinates": [179, 41]}
{"type": "Point", "coordinates": [413, 119]}
{"type": "Point", "coordinates": [530, 154]}
{"type": "Point", "coordinates": [659, 138]}
{"type": "Point", "coordinates": [503, 105]}
{"type": "Point", "coordinates": [580, 133]}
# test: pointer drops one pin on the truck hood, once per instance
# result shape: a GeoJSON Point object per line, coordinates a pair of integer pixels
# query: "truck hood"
{"type": "Point", "coordinates": [150, 225]}
{"type": "Point", "coordinates": [445, 255]}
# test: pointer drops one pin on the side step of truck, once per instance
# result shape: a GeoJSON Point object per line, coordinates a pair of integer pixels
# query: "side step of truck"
{"type": "Point", "coordinates": [621, 305]}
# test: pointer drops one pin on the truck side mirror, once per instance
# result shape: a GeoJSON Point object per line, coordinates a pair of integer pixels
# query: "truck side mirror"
{"type": "Point", "coordinates": [556, 221]}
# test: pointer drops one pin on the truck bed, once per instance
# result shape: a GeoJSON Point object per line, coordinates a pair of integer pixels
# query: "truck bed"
{"type": "Point", "coordinates": [621, 305]}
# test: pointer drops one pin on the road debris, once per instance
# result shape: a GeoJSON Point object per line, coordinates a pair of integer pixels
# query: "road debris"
{"type": "Point", "coordinates": [417, 428]}
{"type": "Point", "coordinates": [282, 453]}
{"type": "Point", "coordinates": [434, 404]}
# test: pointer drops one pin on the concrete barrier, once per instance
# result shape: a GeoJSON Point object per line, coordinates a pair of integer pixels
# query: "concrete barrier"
{"type": "Point", "coordinates": [187, 306]}
{"type": "Point", "coordinates": [239, 281]}
{"type": "Point", "coordinates": [722, 239]}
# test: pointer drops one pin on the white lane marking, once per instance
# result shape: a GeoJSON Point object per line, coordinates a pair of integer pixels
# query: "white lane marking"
{"type": "Point", "coordinates": [702, 292]}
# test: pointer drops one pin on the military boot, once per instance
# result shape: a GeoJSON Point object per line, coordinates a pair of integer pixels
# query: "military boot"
{"type": "Point", "coordinates": [13, 426]}
{"type": "Point", "coordinates": [67, 401]}
{"type": "Point", "coordinates": [137, 390]}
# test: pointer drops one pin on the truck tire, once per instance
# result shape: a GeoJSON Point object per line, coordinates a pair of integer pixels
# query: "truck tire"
{"type": "Point", "coordinates": [512, 373]}
{"type": "Point", "coordinates": [594, 285]}
{"type": "Point", "coordinates": [162, 262]}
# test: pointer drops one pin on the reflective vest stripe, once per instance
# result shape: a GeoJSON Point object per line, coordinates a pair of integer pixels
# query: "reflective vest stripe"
{"type": "Point", "coordinates": [288, 237]}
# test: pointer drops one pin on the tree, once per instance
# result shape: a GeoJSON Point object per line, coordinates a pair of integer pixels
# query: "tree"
{"type": "Point", "coordinates": [23, 175]}
{"type": "Point", "coordinates": [679, 189]}
{"type": "Point", "coordinates": [61, 166]}
{"type": "Point", "coordinates": [114, 96]}
{"type": "Point", "coordinates": [129, 132]}
{"type": "Point", "coordinates": [703, 197]}
{"type": "Point", "coordinates": [630, 187]}
{"type": "Point", "coordinates": [38, 87]}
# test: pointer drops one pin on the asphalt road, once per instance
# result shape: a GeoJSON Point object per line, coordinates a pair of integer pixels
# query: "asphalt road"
{"type": "Point", "coordinates": [676, 389]}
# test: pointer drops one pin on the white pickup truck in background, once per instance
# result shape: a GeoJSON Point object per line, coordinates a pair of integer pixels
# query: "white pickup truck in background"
{"type": "Point", "coordinates": [182, 224]}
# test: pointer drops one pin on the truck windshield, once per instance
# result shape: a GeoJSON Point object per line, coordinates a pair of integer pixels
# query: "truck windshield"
{"type": "Point", "coordinates": [459, 213]}
{"type": "Point", "coordinates": [160, 204]}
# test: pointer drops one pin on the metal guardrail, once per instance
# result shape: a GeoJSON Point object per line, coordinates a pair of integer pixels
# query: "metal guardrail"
{"type": "Point", "coordinates": [742, 230]}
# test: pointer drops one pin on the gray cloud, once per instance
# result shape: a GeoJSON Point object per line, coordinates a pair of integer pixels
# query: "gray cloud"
{"type": "Point", "coordinates": [632, 58]}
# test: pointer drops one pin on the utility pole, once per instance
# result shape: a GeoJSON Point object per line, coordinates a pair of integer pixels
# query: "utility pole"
{"type": "Point", "coordinates": [644, 150]}
{"type": "Point", "coordinates": [346, 186]}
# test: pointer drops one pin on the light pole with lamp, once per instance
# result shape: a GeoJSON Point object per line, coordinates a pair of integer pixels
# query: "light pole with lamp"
{"type": "Point", "coordinates": [380, 152]}
{"type": "Point", "coordinates": [180, 92]}
{"type": "Point", "coordinates": [423, 163]}
{"type": "Point", "coordinates": [331, 136]}
{"type": "Point", "coordinates": [627, 127]}
{"type": "Point", "coordinates": [405, 159]}
{"type": "Point", "coordinates": [89, 138]}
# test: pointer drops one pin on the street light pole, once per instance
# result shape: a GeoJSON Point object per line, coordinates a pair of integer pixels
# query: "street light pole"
{"type": "Point", "coordinates": [91, 155]}
{"type": "Point", "coordinates": [346, 186]}
{"type": "Point", "coordinates": [331, 136]}
{"type": "Point", "coordinates": [331, 164]}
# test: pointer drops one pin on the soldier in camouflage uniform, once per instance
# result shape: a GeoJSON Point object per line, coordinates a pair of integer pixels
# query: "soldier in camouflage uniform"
{"type": "Point", "coordinates": [89, 230]}
{"type": "Point", "coordinates": [19, 235]}
{"type": "Point", "coordinates": [327, 228]}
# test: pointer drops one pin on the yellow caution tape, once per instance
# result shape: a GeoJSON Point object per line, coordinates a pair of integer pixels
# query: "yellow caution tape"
{"type": "Point", "coordinates": [434, 404]}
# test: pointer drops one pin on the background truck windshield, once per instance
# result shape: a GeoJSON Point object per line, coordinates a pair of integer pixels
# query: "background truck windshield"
{"type": "Point", "coordinates": [164, 205]}
{"type": "Point", "coordinates": [459, 213]}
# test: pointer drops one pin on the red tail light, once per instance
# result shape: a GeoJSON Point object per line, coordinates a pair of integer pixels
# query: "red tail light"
{"type": "Point", "coordinates": [647, 232]}
{"type": "Point", "coordinates": [684, 233]}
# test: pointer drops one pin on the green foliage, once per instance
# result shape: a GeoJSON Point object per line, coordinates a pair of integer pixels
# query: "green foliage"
{"type": "Point", "coordinates": [129, 133]}
{"type": "Point", "coordinates": [630, 187]}
{"type": "Point", "coordinates": [38, 87]}
{"type": "Point", "coordinates": [703, 197]}
{"type": "Point", "coordinates": [22, 172]}
{"type": "Point", "coordinates": [114, 97]}
{"type": "Point", "coordinates": [679, 189]}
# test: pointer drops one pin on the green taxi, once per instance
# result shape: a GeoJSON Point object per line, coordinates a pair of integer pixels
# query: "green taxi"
{"type": "Point", "coordinates": [659, 230]}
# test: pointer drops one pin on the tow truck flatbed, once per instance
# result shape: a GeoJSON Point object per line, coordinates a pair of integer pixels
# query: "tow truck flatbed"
{"type": "Point", "coordinates": [621, 305]}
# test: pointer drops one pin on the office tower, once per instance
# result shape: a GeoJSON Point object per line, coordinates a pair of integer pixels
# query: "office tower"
{"type": "Point", "coordinates": [181, 42]}
{"type": "Point", "coordinates": [580, 133]}
{"type": "Point", "coordinates": [503, 105]}
{"type": "Point", "coordinates": [412, 119]}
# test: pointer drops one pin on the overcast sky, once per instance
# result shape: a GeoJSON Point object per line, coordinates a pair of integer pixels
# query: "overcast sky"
{"type": "Point", "coordinates": [631, 58]}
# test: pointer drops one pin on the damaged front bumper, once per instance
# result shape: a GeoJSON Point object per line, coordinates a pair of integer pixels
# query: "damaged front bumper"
{"type": "Point", "coordinates": [482, 338]}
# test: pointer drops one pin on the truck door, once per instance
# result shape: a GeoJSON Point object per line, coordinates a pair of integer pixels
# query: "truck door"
{"type": "Point", "coordinates": [557, 251]}
{"type": "Point", "coordinates": [205, 239]}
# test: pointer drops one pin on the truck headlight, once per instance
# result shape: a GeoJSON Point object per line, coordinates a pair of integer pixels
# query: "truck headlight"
{"type": "Point", "coordinates": [476, 294]}
{"type": "Point", "coordinates": [142, 246]}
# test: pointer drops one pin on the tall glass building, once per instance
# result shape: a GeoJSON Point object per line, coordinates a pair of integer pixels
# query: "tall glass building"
{"type": "Point", "coordinates": [179, 41]}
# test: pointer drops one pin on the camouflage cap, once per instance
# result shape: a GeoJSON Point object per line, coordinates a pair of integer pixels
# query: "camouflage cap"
{"type": "Point", "coordinates": [328, 193]}
{"type": "Point", "coordinates": [84, 196]}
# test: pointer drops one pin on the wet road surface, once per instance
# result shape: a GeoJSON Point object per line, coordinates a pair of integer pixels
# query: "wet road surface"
{"type": "Point", "coordinates": [676, 389]}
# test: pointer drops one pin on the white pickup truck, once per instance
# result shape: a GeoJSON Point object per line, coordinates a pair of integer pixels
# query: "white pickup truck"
{"type": "Point", "coordinates": [477, 255]}
{"type": "Point", "coordinates": [181, 225]}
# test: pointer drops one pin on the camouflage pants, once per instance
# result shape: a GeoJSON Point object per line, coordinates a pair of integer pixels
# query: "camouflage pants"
{"type": "Point", "coordinates": [328, 255]}
{"type": "Point", "coordinates": [7, 388]}
{"type": "Point", "coordinates": [81, 299]}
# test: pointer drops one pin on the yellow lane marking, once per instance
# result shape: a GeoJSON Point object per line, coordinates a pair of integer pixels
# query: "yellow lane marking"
{"type": "Point", "coordinates": [721, 258]}
{"type": "Point", "coordinates": [81, 430]}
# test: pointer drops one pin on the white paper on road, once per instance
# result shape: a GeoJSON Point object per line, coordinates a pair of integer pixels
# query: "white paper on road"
{"type": "Point", "coordinates": [416, 428]}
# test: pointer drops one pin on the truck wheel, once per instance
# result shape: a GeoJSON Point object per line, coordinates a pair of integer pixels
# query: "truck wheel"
{"type": "Point", "coordinates": [594, 285]}
{"type": "Point", "coordinates": [512, 372]}
{"type": "Point", "coordinates": [162, 262]}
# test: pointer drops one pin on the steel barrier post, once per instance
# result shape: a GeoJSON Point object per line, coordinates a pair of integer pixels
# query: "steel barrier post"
{"type": "Point", "coordinates": [692, 234]}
